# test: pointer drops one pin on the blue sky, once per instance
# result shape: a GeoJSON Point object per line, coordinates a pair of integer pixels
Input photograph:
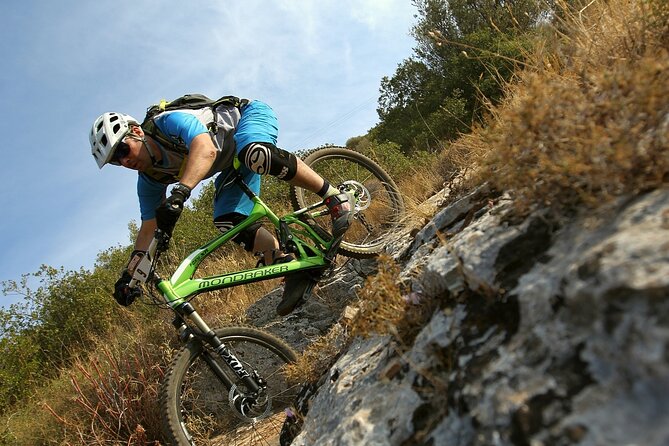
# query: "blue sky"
{"type": "Point", "coordinates": [318, 63]}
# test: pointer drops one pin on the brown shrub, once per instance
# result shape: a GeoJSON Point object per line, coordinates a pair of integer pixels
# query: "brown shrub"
{"type": "Point", "coordinates": [589, 121]}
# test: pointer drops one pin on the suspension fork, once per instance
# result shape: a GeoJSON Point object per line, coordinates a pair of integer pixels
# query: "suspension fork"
{"type": "Point", "coordinates": [186, 311]}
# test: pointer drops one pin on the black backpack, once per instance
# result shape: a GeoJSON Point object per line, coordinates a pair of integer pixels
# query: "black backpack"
{"type": "Point", "coordinates": [186, 102]}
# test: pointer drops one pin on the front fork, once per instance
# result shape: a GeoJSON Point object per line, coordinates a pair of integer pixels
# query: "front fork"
{"type": "Point", "coordinates": [254, 384]}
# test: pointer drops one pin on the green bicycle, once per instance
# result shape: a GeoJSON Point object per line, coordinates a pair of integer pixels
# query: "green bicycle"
{"type": "Point", "coordinates": [225, 386]}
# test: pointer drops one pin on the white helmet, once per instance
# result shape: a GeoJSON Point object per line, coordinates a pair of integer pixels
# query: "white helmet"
{"type": "Point", "coordinates": [108, 130]}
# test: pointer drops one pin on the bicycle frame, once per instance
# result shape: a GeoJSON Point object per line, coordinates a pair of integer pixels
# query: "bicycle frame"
{"type": "Point", "coordinates": [309, 248]}
{"type": "Point", "coordinates": [182, 286]}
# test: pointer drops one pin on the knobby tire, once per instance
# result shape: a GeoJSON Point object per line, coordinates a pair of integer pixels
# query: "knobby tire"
{"type": "Point", "coordinates": [368, 234]}
{"type": "Point", "coordinates": [195, 405]}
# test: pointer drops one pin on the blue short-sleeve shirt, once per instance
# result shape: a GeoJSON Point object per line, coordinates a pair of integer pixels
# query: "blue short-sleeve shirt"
{"type": "Point", "coordinates": [257, 123]}
{"type": "Point", "coordinates": [181, 128]}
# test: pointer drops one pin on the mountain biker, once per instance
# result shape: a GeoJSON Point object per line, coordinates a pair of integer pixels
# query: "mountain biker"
{"type": "Point", "coordinates": [248, 131]}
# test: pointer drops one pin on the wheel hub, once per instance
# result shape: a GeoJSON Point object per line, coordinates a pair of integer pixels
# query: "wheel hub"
{"type": "Point", "coordinates": [247, 408]}
{"type": "Point", "coordinates": [362, 194]}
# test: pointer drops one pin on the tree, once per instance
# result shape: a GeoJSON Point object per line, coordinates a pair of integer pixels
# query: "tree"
{"type": "Point", "coordinates": [465, 52]}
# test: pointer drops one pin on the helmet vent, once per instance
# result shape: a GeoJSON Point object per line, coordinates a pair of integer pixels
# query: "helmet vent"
{"type": "Point", "coordinates": [108, 130]}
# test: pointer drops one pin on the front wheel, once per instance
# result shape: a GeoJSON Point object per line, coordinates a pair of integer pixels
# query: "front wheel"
{"type": "Point", "coordinates": [380, 206]}
{"type": "Point", "coordinates": [198, 409]}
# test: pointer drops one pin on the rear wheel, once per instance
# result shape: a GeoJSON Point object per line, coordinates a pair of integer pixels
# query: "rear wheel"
{"type": "Point", "coordinates": [380, 206]}
{"type": "Point", "coordinates": [198, 409]}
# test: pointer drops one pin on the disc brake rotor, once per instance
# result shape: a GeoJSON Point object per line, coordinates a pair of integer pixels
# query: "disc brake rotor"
{"type": "Point", "coordinates": [364, 198]}
{"type": "Point", "coordinates": [246, 412]}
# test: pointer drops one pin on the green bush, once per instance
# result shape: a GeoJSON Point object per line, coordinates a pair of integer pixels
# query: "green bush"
{"type": "Point", "coordinates": [58, 318]}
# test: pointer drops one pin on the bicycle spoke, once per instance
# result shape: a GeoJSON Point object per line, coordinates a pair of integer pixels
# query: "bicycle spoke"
{"type": "Point", "coordinates": [377, 193]}
{"type": "Point", "coordinates": [204, 409]}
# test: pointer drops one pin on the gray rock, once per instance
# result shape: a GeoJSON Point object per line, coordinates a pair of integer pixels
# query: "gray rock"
{"type": "Point", "coordinates": [368, 410]}
{"type": "Point", "coordinates": [544, 336]}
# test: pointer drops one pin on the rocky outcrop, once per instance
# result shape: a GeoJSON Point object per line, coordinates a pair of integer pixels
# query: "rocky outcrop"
{"type": "Point", "coordinates": [544, 335]}
{"type": "Point", "coordinates": [320, 312]}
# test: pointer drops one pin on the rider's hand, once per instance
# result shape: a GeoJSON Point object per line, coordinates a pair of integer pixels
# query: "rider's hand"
{"type": "Point", "coordinates": [169, 210]}
{"type": "Point", "coordinates": [123, 294]}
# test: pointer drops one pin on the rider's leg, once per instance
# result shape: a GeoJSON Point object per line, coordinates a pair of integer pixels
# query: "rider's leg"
{"type": "Point", "coordinates": [256, 139]}
{"type": "Point", "coordinates": [339, 204]}
{"type": "Point", "coordinates": [265, 158]}
{"type": "Point", "coordinates": [254, 239]}
{"type": "Point", "coordinates": [266, 243]}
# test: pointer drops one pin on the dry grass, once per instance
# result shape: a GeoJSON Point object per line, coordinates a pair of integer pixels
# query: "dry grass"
{"type": "Point", "coordinates": [318, 356]}
{"type": "Point", "coordinates": [590, 120]}
{"type": "Point", "coordinates": [108, 396]}
{"type": "Point", "coordinates": [30, 424]}
{"type": "Point", "coordinates": [115, 394]}
{"type": "Point", "coordinates": [384, 308]}
{"type": "Point", "coordinates": [432, 178]}
{"type": "Point", "coordinates": [381, 304]}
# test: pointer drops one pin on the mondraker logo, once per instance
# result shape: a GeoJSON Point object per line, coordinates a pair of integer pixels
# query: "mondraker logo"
{"type": "Point", "coordinates": [248, 275]}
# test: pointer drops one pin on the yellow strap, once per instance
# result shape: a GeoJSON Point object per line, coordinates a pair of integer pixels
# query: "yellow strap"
{"type": "Point", "coordinates": [163, 104]}
{"type": "Point", "coordinates": [236, 163]}
{"type": "Point", "coordinates": [182, 168]}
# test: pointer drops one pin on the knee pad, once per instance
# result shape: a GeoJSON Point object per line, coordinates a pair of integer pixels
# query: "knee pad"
{"type": "Point", "coordinates": [265, 158]}
{"type": "Point", "coordinates": [246, 238]}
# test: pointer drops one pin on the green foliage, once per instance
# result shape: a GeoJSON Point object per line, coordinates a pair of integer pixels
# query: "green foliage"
{"type": "Point", "coordinates": [458, 18]}
{"type": "Point", "coordinates": [59, 317]}
{"type": "Point", "coordinates": [466, 51]}
{"type": "Point", "coordinates": [390, 156]}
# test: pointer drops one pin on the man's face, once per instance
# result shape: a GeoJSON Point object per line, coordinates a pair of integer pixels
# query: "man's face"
{"type": "Point", "coordinates": [133, 156]}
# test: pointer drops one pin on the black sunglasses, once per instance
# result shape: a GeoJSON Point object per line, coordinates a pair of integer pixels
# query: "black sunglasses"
{"type": "Point", "coordinates": [122, 150]}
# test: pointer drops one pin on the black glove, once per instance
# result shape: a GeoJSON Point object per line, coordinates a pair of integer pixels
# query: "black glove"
{"type": "Point", "coordinates": [123, 294]}
{"type": "Point", "coordinates": [169, 210]}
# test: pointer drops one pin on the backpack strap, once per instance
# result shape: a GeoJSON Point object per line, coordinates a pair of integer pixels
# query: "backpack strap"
{"type": "Point", "coordinates": [150, 128]}
{"type": "Point", "coordinates": [226, 100]}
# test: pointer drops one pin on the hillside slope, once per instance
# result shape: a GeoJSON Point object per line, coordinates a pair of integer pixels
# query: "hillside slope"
{"type": "Point", "coordinates": [542, 336]}
{"type": "Point", "coordinates": [531, 310]}
{"type": "Point", "coordinates": [545, 272]}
